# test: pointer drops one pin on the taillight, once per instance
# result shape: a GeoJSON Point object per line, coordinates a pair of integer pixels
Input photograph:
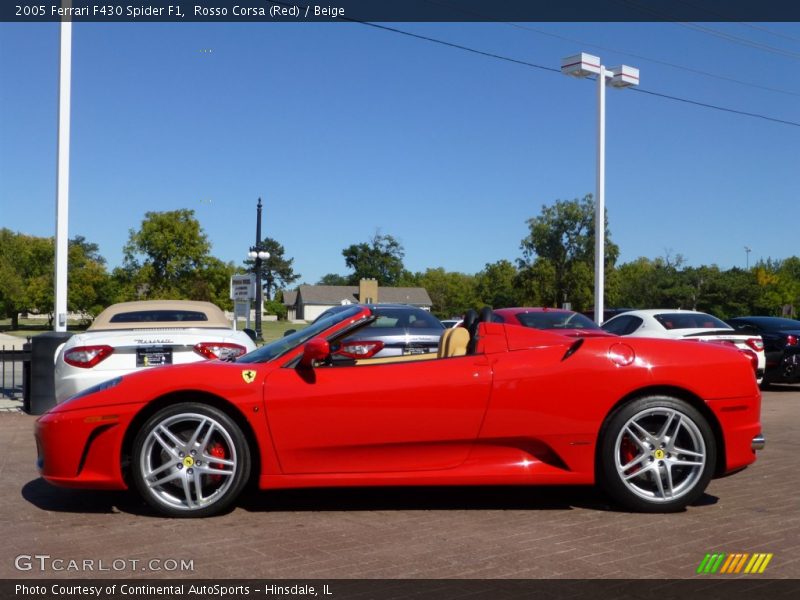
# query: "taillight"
{"type": "Point", "coordinates": [753, 358]}
{"type": "Point", "coordinates": [756, 344]}
{"type": "Point", "coordinates": [791, 340]}
{"type": "Point", "coordinates": [219, 350]}
{"type": "Point", "coordinates": [360, 349]}
{"type": "Point", "coordinates": [87, 357]}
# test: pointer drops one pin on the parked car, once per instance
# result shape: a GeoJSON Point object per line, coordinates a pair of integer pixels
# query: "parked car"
{"type": "Point", "coordinates": [608, 313]}
{"type": "Point", "coordinates": [565, 322]}
{"type": "Point", "coordinates": [688, 325]}
{"type": "Point", "coordinates": [131, 336]}
{"type": "Point", "coordinates": [781, 345]}
{"type": "Point", "coordinates": [400, 329]}
{"type": "Point", "coordinates": [651, 420]}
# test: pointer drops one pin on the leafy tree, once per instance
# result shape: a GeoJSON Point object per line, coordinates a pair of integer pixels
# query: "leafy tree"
{"type": "Point", "coordinates": [333, 279]}
{"type": "Point", "coordinates": [27, 276]}
{"type": "Point", "coordinates": [452, 293]}
{"type": "Point", "coordinates": [276, 271]}
{"type": "Point", "coordinates": [496, 285]}
{"type": "Point", "coordinates": [162, 258]}
{"type": "Point", "coordinates": [563, 236]}
{"type": "Point", "coordinates": [211, 282]}
{"type": "Point", "coordinates": [381, 258]}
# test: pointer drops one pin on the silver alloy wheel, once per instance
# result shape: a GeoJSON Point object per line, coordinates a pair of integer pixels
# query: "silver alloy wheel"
{"type": "Point", "coordinates": [660, 454]}
{"type": "Point", "coordinates": [188, 461]}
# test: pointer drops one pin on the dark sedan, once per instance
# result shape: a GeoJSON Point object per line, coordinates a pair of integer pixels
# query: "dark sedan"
{"type": "Point", "coordinates": [399, 329]}
{"type": "Point", "coordinates": [781, 345]}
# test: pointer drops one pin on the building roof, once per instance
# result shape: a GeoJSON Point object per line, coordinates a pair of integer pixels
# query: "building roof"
{"type": "Point", "coordinates": [289, 297]}
{"type": "Point", "coordinates": [335, 294]}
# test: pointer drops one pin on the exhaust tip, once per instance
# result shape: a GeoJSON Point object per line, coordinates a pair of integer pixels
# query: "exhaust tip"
{"type": "Point", "coordinates": [758, 442]}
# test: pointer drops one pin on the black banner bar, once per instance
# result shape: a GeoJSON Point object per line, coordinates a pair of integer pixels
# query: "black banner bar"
{"type": "Point", "coordinates": [740, 588]}
{"type": "Point", "coordinates": [183, 11]}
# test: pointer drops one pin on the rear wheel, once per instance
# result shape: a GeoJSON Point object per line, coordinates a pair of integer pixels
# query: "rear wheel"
{"type": "Point", "coordinates": [657, 454]}
{"type": "Point", "coordinates": [190, 460]}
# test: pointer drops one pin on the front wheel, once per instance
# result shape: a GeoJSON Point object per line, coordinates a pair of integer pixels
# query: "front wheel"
{"type": "Point", "coordinates": [657, 454]}
{"type": "Point", "coordinates": [190, 460]}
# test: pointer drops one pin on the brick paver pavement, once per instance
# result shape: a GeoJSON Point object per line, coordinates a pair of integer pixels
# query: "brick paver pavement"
{"type": "Point", "coordinates": [408, 533]}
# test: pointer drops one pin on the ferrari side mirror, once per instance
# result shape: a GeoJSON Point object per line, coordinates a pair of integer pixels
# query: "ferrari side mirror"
{"type": "Point", "coordinates": [316, 349]}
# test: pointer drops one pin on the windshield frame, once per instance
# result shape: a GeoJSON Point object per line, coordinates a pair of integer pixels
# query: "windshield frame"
{"type": "Point", "coordinates": [282, 346]}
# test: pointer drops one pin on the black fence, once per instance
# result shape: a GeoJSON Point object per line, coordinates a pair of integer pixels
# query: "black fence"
{"type": "Point", "coordinates": [15, 371]}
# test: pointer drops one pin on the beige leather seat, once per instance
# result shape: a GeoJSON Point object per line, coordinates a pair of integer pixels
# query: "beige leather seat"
{"type": "Point", "coordinates": [454, 342]}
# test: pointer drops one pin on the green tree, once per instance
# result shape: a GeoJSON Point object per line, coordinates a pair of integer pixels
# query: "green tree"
{"type": "Point", "coordinates": [452, 293]}
{"type": "Point", "coordinates": [163, 258]}
{"type": "Point", "coordinates": [380, 258]}
{"type": "Point", "coordinates": [563, 236]}
{"type": "Point", "coordinates": [276, 271]}
{"type": "Point", "coordinates": [27, 276]}
{"type": "Point", "coordinates": [333, 279]}
{"type": "Point", "coordinates": [496, 285]}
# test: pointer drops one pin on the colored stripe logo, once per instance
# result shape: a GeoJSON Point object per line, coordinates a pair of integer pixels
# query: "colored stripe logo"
{"type": "Point", "coordinates": [731, 564]}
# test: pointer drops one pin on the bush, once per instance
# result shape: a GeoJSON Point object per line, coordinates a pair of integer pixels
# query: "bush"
{"type": "Point", "coordinates": [273, 307]}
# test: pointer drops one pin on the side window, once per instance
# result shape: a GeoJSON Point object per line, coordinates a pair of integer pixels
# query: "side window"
{"type": "Point", "coordinates": [617, 326]}
{"type": "Point", "coordinates": [633, 324]}
{"type": "Point", "coordinates": [623, 325]}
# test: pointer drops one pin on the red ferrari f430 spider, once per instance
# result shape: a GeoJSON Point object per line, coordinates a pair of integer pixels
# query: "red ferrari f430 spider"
{"type": "Point", "coordinates": [652, 421]}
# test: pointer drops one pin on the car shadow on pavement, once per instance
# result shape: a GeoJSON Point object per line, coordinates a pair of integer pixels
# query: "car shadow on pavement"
{"type": "Point", "coordinates": [51, 498]}
{"type": "Point", "coordinates": [436, 498]}
{"type": "Point", "coordinates": [57, 499]}
{"type": "Point", "coordinates": [780, 387]}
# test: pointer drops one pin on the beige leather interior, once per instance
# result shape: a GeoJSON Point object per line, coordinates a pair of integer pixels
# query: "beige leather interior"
{"type": "Point", "coordinates": [454, 342]}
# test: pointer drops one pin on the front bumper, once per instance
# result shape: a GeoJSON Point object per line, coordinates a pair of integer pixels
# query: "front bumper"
{"type": "Point", "coordinates": [81, 448]}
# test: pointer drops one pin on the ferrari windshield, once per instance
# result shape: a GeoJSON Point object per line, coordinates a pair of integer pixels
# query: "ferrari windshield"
{"type": "Point", "coordinates": [283, 345]}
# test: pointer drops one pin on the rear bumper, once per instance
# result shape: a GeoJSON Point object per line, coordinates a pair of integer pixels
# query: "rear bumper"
{"type": "Point", "coordinates": [740, 422]}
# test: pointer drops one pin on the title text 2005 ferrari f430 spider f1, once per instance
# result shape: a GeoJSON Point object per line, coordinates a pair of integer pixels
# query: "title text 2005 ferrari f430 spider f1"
{"type": "Point", "coordinates": [652, 421]}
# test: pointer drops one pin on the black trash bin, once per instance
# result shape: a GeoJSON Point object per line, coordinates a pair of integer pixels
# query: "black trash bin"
{"type": "Point", "coordinates": [42, 383]}
{"type": "Point", "coordinates": [26, 376]}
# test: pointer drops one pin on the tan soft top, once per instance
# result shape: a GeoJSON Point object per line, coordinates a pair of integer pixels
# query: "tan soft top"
{"type": "Point", "coordinates": [182, 317]}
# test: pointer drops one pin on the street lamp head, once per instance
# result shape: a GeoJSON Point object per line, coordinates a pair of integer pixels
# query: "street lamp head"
{"type": "Point", "coordinates": [252, 254]}
{"type": "Point", "coordinates": [624, 76]}
{"type": "Point", "coordinates": [580, 65]}
{"type": "Point", "coordinates": [263, 255]}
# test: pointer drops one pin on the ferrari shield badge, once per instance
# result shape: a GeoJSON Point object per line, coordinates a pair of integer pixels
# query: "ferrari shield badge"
{"type": "Point", "coordinates": [248, 376]}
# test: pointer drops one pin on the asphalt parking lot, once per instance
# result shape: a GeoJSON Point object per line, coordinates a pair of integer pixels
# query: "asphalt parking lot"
{"type": "Point", "coordinates": [403, 533]}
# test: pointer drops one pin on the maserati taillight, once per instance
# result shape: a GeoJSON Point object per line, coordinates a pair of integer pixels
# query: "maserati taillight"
{"type": "Point", "coordinates": [219, 350]}
{"type": "Point", "coordinates": [753, 358]}
{"type": "Point", "coordinates": [791, 340]}
{"type": "Point", "coordinates": [360, 349]}
{"type": "Point", "coordinates": [756, 343]}
{"type": "Point", "coordinates": [87, 357]}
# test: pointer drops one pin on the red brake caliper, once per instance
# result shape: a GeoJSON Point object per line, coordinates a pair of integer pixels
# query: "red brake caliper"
{"type": "Point", "coordinates": [216, 450]}
{"type": "Point", "coordinates": [628, 451]}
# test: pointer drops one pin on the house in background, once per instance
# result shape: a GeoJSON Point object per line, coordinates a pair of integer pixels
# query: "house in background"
{"type": "Point", "coordinates": [307, 302]}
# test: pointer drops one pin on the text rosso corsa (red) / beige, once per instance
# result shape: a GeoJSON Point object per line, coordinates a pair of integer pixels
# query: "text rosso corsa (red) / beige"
{"type": "Point", "coordinates": [273, 11]}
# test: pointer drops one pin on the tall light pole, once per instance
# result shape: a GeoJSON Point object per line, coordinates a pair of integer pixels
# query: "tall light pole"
{"type": "Point", "coordinates": [747, 251]}
{"type": "Point", "coordinates": [584, 65]}
{"type": "Point", "coordinates": [258, 253]}
{"type": "Point", "coordinates": [62, 173]}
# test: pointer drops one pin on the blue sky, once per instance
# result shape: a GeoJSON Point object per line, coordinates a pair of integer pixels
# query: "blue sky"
{"type": "Point", "coordinates": [344, 129]}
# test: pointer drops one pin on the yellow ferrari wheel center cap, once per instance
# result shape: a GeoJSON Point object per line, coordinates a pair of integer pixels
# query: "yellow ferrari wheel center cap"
{"type": "Point", "coordinates": [659, 454]}
{"type": "Point", "coordinates": [188, 462]}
